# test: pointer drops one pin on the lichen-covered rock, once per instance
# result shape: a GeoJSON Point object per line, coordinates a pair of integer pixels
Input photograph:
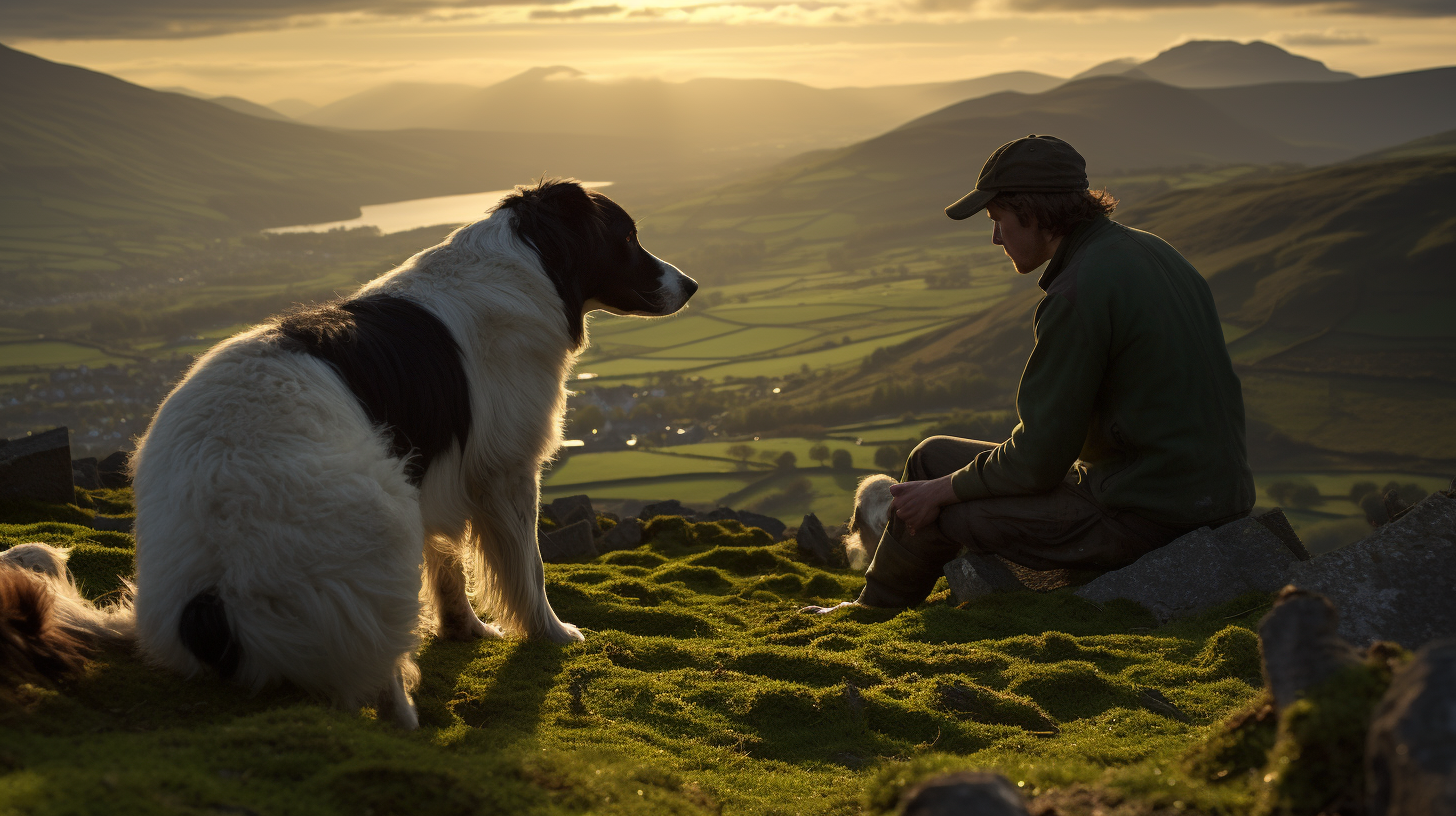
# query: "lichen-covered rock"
{"type": "Point", "coordinates": [1199, 570]}
{"type": "Point", "coordinates": [114, 470]}
{"type": "Point", "coordinates": [814, 540]}
{"type": "Point", "coordinates": [84, 474]}
{"type": "Point", "coordinates": [38, 467]}
{"type": "Point", "coordinates": [1397, 584]}
{"type": "Point", "coordinates": [1300, 647]}
{"type": "Point", "coordinates": [671, 507]}
{"type": "Point", "coordinates": [963, 794]}
{"type": "Point", "coordinates": [1410, 754]}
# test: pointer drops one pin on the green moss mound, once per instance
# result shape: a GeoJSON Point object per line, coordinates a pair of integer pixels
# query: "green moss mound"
{"type": "Point", "coordinates": [699, 689]}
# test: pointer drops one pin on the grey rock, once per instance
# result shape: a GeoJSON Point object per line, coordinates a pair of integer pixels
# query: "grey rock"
{"type": "Point", "coordinates": [1300, 646]}
{"type": "Point", "coordinates": [114, 524]}
{"type": "Point", "coordinates": [975, 576]}
{"type": "Point", "coordinates": [1277, 523]}
{"type": "Point", "coordinates": [625, 536]}
{"type": "Point", "coordinates": [1396, 584]}
{"type": "Point", "coordinates": [1158, 703]}
{"type": "Point", "coordinates": [114, 470]}
{"type": "Point", "coordinates": [38, 467]}
{"type": "Point", "coordinates": [1410, 753]}
{"type": "Point", "coordinates": [570, 509]}
{"type": "Point", "coordinates": [1199, 570]}
{"type": "Point", "coordinates": [813, 540]}
{"type": "Point", "coordinates": [671, 507]}
{"type": "Point", "coordinates": [768, 524]}
{"type": "Point", "coordinates": [571, 542]}
{"type": "Point", "coordinates": [84, 475]}
{"type": "Point", "coordinates": [963, 794]}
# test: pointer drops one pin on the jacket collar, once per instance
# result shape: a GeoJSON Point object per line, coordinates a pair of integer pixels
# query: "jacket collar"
{"type": "Point", "coordinates": [1070, 245]}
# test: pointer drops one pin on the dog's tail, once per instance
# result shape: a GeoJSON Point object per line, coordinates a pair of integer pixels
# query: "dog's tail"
{"type": "Point", "coordinates": [47, 628]}
{"type": "Point", "coordinates": [206, 634]}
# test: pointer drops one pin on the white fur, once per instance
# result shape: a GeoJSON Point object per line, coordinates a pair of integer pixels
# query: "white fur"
{"type": "Point", "coordinates": [871, 516]}
{"type": "Point", "coordinates": [262, 480]}
{"type": "Point", "coordinates": [69, 608]}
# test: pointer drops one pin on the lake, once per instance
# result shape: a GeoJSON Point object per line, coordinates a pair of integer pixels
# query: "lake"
{"type": "Point", "coordinates": [398, 216]}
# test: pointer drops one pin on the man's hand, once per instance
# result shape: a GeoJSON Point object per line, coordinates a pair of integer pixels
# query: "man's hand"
{"type": "Point", "coordinates": [918, 503]}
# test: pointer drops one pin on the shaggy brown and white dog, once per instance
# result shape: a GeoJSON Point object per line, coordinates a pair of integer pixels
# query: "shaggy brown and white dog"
{"type": "Point", "coordinates": [293, 488]}
{"type": "Point", "coordinates": [46, 626]}
{"type": "Point", "coordinates": [868, 521]}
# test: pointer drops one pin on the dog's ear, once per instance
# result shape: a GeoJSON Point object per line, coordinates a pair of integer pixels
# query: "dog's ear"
{"type": "Point", "coordinates": [566, 227]}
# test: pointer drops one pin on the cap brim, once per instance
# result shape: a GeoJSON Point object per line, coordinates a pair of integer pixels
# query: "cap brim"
{"type": "Point", "coordinates": [972, 203]}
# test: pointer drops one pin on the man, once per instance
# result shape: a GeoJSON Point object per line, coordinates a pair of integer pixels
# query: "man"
{"type": "Point", "coordinates": [1131, 425]}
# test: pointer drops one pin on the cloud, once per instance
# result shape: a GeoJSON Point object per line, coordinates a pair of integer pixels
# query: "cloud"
{"type": "Point", "coordinates": [175, 19]}
{"type": "Point", "coordinates": [574, 13]}
{"type": "Point", "coordinates": [1387, 8]}
{"type": "Point", "coordinates": [1330, 36]}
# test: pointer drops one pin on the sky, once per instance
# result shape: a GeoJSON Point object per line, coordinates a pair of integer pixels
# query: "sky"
{"type": "Point", "coordinates": [323, 50]}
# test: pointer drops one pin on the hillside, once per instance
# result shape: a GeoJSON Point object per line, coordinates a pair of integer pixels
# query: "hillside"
{"type": "Point", "coordinates": [1336, 292]}
{"type": "Point", "coordinates": [100, 174]}
{"type": "Point", "coordinates": [1219, 64]}
{"type": "Point", "coordinates": [752, 116]}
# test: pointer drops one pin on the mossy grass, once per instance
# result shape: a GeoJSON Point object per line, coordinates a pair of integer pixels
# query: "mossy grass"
{"type": "Point", "coordinates": [699, 689]}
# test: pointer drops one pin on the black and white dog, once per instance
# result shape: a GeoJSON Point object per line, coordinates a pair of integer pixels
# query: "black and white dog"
{"type": "Point", "coordinates": [290, 488]}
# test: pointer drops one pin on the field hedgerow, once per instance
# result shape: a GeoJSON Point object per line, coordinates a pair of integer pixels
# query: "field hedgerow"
{"type": "Point", "coordinates": [699, 689]}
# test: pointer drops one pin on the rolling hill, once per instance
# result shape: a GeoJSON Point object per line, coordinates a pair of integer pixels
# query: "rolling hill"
{"type": "Point", "coordinates": [753, 116]}
{"type": "Point", "coordinates": [1219, 64]}
{"type": "Point", "coordinates": [99, 174]}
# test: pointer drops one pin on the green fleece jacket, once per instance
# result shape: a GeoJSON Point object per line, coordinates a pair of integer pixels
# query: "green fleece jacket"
{"type": "Point", "coordinates": [1130, 382]}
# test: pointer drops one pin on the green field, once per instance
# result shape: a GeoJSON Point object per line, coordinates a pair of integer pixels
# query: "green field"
{"type": "Point", "coordinates": [40, 353]}
{"type": "Point", "coordinates": [699, 690]}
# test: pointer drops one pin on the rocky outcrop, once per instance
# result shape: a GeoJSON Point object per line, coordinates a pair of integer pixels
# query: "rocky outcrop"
{"type": "Point", "coordinates": [1397, 584]}
{"type": "Point", "coordinates": [574, 541]}
{"type": "Point", "coordinates": [1200, 570]}
{"type": "Point", "coordinates": [1410, 754]}
{"type": "Point", "coordinates": [975, 576]}
{"type": "Point", "coordinates": [38, 467]}
{"type": "Point", "coordinates": [963, 794]}
{"type": "Point", "coordinates": [1299, 645]}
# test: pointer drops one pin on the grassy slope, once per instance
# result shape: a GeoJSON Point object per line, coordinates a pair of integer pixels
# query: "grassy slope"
{"type": "Point", "coordinates": [698, 688]}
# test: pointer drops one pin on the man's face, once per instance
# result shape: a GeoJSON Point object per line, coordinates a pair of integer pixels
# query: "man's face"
{"type": "Point", "coordinates": [1027, 246]}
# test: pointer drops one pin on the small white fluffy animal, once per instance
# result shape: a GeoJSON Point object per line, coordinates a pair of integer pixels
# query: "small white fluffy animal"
{"type": "Point", "coordinates": [867, 523]}
{"type": "Point", "coordinates": [292, 489]}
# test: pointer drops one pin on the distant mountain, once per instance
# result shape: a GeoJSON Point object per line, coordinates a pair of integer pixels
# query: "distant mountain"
{"type": "Point", "coordinates": [1351, 117]}
{"type": "Point", "coordinates": [742, 116]}
{"type": "Point", "coordinates": [234, 103]}
{"type": "Point", "coordinates": [1220, 64]}
{"type": "Point", "coordinates": [293, 108]}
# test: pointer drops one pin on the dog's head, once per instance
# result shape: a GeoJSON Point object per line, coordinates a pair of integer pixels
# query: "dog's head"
{"type": "Point", "coordinates": [588, 246]}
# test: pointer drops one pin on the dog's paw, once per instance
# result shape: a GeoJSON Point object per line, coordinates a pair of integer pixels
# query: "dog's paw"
{"type": "Point", "coordinates": [469, 628]}
{"type": "Point", "coordinates": [564, 633]}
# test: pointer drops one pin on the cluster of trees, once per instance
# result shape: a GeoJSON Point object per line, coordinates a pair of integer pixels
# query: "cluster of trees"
{"type": "Point", "coordinates": [840, 459]}
{"type": "Point", "coordinates": [1375, 500]}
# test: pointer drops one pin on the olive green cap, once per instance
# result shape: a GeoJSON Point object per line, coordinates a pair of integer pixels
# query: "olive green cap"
{"type": "Point", "coordinates": [1036, 164]}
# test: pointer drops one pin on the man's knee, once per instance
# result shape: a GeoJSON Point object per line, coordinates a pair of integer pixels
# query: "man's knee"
{"type": "Point", "coordinates": [938, 455]}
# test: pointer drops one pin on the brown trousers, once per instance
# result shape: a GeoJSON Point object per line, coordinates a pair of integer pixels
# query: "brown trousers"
{"type": "Point", "coordinates": [1062, 529]}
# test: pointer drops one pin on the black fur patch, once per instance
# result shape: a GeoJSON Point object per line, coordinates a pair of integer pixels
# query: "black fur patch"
{"type": "Point", "coordinates": [588, 246]}
{"type": "Point", "coordinates": [205, 633]}
{"type": "Point", "coordinates": [402, 364]}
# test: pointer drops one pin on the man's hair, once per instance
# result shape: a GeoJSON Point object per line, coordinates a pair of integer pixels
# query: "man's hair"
{"type": "Point", "coordinates": [1057, 213]}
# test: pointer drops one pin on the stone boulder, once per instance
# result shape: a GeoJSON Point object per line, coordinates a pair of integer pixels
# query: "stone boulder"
{"type": "Point", "coordinates": [38, 467]}
{"type": "Point", "coordinates": [671, 507]}
{"type": "Point", "coordinates": [1200, 570]}
{"type": "Point", "coordinates": [570, 509]}
{"type": "Point", "coordinates": [84, 474]}
{"type": "Point", "coordinates": [967, 793]}
{"type": "Point", "coordinates": [768, 524]}
{"type": "Point", "coordinates": [575, 540]}
{"type": "Point", "coordinates": [1410, 754]}
{"type": "Point", "coordinates": [113, 524]}
{"type": "Point", "coordinates": [975, 576]}
{"type": "Point", "coordinates": [626, 535]}
{"type": "Point", "coordinates": [1397, 584]}
{"type": "Point", "coordinates": [114, 470]}
{"type": "Point", "coordinates": [814, 541]}
{"type": "Point", "coordinates": [1300, 646]}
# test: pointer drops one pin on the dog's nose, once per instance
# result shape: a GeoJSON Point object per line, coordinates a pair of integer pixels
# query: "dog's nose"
{"type": "Point", "coordinates": [690, 287]}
